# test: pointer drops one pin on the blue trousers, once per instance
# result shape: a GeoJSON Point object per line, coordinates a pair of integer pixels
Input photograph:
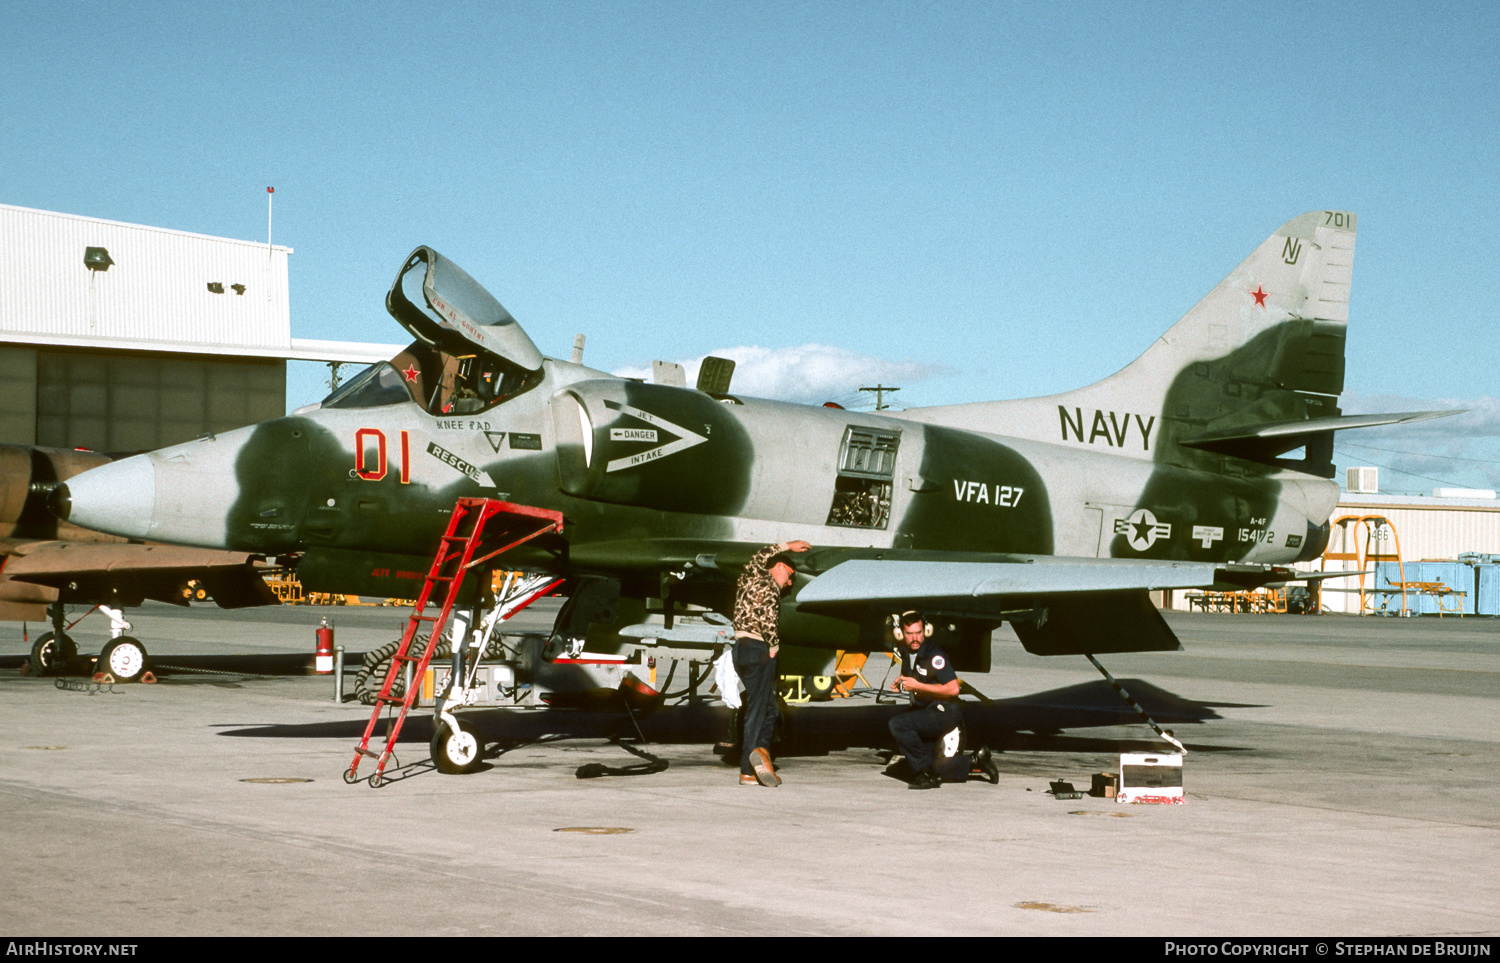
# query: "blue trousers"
{"type": "Point", "coordinates": [917, 732]}
{"type": "Point", "coordinates": [757, 670]}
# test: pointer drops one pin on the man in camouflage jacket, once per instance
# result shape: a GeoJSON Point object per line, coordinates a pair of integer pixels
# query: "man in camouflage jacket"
{"type": "Point", "coordinates": [757, 605]}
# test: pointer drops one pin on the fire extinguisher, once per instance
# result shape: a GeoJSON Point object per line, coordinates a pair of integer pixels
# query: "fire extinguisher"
{"type": "Point", "coordinates": [323, 663]}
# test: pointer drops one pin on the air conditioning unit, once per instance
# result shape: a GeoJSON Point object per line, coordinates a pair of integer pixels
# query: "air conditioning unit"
{"type": "Point", "coordinates": [1362, 481]}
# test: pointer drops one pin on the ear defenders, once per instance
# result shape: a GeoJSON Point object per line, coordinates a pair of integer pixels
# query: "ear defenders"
{"type": "Point", "coordinates": [896, 625]}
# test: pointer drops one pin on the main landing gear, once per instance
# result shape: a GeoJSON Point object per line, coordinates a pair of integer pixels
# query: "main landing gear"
{"type": "Point", "coordinates": [123, 658]}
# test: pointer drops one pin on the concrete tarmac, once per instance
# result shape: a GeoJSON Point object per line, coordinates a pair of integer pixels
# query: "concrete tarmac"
{"type": "Point", "coordinates": [1340, 781]}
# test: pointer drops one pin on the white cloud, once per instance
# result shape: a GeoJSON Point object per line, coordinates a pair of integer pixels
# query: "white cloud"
{"type": "Point", "coordinates": [1461, 450]}
{"type": "Point", "coordinates": [808, 373]}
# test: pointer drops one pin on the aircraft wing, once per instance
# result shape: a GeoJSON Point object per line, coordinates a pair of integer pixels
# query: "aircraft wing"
{"type": "Point", "coordinates": [1057, 605]}
{"type": "Point", "coordinates": [128, 573]}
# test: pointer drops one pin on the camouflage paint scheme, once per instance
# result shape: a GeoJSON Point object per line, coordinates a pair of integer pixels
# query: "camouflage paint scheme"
{"type": "Point", "coordinates": [668, 489]}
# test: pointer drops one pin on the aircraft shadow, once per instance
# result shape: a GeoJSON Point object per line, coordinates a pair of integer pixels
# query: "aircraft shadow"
{"type": "Point", "coordinates": [1068, 719]}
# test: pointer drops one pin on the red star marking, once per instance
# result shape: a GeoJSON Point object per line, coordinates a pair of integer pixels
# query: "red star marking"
{"type": "Point", "coordinates": [1259, 296]}
{"type": "Point", "coordinates": [410, 372]}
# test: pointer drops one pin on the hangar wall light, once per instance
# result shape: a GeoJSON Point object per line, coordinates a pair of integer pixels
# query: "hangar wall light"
{"type": "Point", "coordinates": [96, 259]}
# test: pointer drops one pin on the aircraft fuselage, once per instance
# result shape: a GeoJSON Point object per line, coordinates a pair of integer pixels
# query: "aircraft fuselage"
{"type": "Point", "coordinates": [647, 474]}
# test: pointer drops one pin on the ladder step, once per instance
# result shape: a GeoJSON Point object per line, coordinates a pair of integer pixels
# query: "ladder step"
{"type": "Point", "coordinates": [461, 541]}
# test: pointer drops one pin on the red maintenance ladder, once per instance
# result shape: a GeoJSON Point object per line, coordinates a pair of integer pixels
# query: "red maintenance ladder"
{"type": "Point", "coordinates": [453, 561]}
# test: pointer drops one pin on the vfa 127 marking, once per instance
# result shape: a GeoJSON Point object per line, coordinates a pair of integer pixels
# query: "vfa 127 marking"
{"type": "Point", "coordinates": [982, 493]}
{"type": "Point", "coordinates": [1117, 428]}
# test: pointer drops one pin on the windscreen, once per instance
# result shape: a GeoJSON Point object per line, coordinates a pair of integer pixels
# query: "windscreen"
{"type": "Point", "coordinates": [375, 387]}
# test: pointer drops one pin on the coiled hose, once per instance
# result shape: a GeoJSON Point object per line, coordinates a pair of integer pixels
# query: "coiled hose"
{"type": "Point", "coordinates": [371, 675]}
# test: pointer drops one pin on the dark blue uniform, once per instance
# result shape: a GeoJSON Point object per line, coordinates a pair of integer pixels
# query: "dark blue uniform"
{"type": "Point", "coordinates": [919, 729]}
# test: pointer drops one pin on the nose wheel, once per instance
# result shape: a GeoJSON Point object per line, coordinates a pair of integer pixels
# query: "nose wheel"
{"type": "Point", "coordinates": [457, 752]}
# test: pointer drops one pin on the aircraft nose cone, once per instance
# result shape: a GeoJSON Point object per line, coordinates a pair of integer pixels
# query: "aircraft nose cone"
{"type": "Point", "coordinates": [117, 498]}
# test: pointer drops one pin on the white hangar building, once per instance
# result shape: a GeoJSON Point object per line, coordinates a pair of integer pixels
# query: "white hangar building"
{"type": "Point", "coordinates": [123, 337]}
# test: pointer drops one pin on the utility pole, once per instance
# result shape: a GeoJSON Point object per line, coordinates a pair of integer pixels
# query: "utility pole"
{"type": "Point", "coordinates": [879, 390]}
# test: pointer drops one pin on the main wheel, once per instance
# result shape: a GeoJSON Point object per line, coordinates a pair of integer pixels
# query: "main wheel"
{"type": "Point", "coordinates": [124, 658]}
{"type": "Point", "coordinates": [52, 653]}
{"type": "Point", "coordinates": [457, 752]}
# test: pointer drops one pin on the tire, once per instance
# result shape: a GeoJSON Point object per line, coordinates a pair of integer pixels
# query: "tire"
{"type": "Point", "coordinates": [820, 687]}
{"type": "Point", "coordinates": [124, 658]}
{"type": "Point", "coordinates": [51, 655]}
{"type": "Point", "coordinates": [457, 753]}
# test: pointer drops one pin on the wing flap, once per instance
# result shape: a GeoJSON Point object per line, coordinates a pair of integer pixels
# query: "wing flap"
{"type": "Point", "coordinates": [1098, 624]}
{"type": "Point", "coordinates": [894, 582]}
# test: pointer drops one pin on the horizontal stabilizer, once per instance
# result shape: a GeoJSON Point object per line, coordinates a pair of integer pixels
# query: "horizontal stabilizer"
{"type": "Point", "coordinates": [1302, 427]}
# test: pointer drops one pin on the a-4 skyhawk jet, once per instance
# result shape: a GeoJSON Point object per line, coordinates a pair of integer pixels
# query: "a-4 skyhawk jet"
{"type": "Point", "coordinates": [1206, 462]}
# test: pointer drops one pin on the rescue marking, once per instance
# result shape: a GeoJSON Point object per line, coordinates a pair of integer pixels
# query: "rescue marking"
{"type": "Point", "coordinates": [496, 439]}
{"type": "Point", "coordinates": [1113, 427]}
{"type": "Point", "coordinates": [1208, 534]}
{"type": "Point", "coordinates": [685, 438]}
{"type": "Point", "coordinates": [453, 461]}
{"type": "Point", "coordinates": [1142, 529]}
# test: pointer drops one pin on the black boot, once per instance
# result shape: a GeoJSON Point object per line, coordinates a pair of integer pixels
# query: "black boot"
{"type": "Point", "coordinates": [984, 764]}
{"type": "Point", "coordinates": [925, 779]}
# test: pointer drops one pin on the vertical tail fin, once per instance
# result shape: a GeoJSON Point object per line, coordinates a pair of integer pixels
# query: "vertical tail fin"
{"type": "Point", "coordinates": [1265, 345]}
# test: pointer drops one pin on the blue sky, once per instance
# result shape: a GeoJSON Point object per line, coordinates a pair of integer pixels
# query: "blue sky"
{"type": "Point", "coordinates": [970, 200]}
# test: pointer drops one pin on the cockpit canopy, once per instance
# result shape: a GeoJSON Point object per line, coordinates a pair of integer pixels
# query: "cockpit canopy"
{"type": "Point", "coordinates": [442, 306]}
{"type": "Point", "coordinates": [470, 354]}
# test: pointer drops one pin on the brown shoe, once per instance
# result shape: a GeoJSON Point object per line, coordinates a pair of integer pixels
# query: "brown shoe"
{"type": "Point", "coordinates": [760, 760]}
{"type": "Point", "coordinates": [748, 780]}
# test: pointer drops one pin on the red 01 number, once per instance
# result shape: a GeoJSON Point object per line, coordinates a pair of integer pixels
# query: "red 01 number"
{"type": "Point", "coordinates": [370, 456]}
